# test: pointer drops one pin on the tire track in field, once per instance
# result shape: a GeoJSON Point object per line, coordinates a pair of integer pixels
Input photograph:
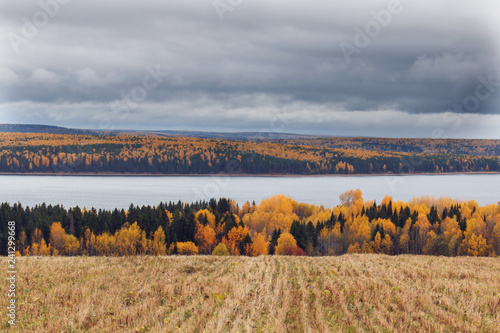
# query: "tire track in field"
{"type": "Point", "coordinates": [310, 276]}
{"type": "Point", "coordinates": [274, 293]}
{"type": "Point", "coordinates": [322, 276]}
{"type": "Point", "coordinates": [238, 306]}
{"type": "Point", "coordinates": [256, 305]}
{"type": "Point", "coordinates": [247, 282]}
{"type": "Point", "coordinates": [294, 316]}
{"type": "Point", "coordinates": [201, 284]}
{"type": "Point", "coordinates": [333, 300]}
{"type": "Point", "coordinates": [279, 303]}
{"type": "Point", "coordinates": [220, 298]}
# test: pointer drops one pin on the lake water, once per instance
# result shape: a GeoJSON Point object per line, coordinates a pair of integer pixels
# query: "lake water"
{"type": "Point", "coordinates": [120, 191]}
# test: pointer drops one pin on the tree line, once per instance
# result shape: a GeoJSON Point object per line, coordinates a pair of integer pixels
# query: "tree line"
{"type": "Point", "coordinates": [64, 153]}
{"type": "Point", "coordinates": [414, 145]}
{"type": "Point", "coordinates": [278, 225]}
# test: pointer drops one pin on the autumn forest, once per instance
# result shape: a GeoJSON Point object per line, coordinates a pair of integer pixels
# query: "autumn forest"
{"type": "Point", "coordinates": [153, 154]}
{"type": "Point", "coordinates": [278, 225]}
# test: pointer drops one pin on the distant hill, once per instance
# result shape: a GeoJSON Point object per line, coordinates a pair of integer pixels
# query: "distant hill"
{"type": "Point", "coordinates": [22, 128]}
{"type": "Point", "coordinates": [234, 135]}
{"type": "Point", "coordinates": [28, 128]}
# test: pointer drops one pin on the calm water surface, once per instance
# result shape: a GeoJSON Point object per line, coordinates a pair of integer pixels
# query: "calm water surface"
{"type": "Point", "coordinates": [117, 191]}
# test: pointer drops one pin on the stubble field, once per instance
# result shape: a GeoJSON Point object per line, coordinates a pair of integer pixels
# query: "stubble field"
{"type": "Point", "coordinates": [350, 293]}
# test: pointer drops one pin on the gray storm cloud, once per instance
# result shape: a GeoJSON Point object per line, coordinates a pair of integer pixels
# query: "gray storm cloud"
{"type": "Point", "coordinates": [332, 67]}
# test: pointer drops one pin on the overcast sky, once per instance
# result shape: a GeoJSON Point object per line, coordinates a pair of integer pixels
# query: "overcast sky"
{"type": "Point", "coordinates": [425, 68]}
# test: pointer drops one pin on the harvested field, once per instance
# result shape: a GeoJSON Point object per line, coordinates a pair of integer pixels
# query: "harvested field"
{"type": "Point", "coordinates": [351, 293]}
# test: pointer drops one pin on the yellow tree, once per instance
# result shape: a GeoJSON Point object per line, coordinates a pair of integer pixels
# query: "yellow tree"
{"type": "Point", "coordinates": [278, 211]}
{"type": "Point", "coordinates": [286, 244]}
{"type": "Point", "coordinates": [475, 227]}
{"type": "Point", "coordinates": [22, 244]}
{"type": "Point", "coordinates": [386, 245]}
{"type": "Point", "coordinates": [367, 248]}
{"type": "Point", "coordinates": [187, 248]}
{"type": "Point", "coordinates": [387, 225]}
{"type": "Point", "coordinates": [376, 243]}
{"type": "Point", "coordinates": [330, 240]}
{"type": "Point", "coordinates": [386, 200]}
{"type": "Point", "coordinates": [358, 230]}
{"type": "Point", "coordinates": [496, 235]}
{"type": "Point", "coordinates": [70, 246]}
{"type": "Point", "coordinates": [34, 249]}
{"type": "Point", "coordinates": [220, 250]}
{"type": "Point", "coordinates": [353, 200]}
{"type": "Point", "coordinates": [204, 216]}
{"type": "Point", "coordinates": [159, 247]}
{"type": "Point", "coordinates": [104, 244]}
{"type": "Point", "coordinates": [57, 237]}
{"type": "Point", "coordinates": [404, 238]}
{"type": "Point", "coordinates": [88, 243]}
{"type": "Point", "coordinates": [259, 246]}
{"type": "Point", "coordinates": [354, 248]}
{"type": "Point", "coordinates": [452, 234]}
{"type": "Point", "coordinates": [205, 237]}
{"type": "Point", "coordinates": [245, 209]}
{"type": "Point", "coordinates": [37, 240]}
{"type": "Point", "coordinates": [477, 246]}
{"type": "Point", "coordinates": [44, 250]}
{"type": "Point", "coordinates": [431, 238]}
{"type": "Point", "coordinates": [234, 238]}
{"type": "Point", "coordinates": [422, 226]}
{"type": "Point", "coordinates": [130, 240]}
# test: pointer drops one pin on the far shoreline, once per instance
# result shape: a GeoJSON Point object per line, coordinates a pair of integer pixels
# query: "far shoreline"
{"type": "Point", "coordinates": [286, 175]}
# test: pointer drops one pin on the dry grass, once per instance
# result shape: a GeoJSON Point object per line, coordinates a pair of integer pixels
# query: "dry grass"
{"type": "Point", "coordinates": [353, 293]}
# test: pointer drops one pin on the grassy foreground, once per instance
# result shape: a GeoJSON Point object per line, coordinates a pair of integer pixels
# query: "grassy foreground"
{"type": "Point", "coordinates": [353, 293]}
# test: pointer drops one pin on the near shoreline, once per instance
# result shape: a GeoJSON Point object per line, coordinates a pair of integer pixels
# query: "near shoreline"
{"type": "Point", "coordinates": [117, 174]}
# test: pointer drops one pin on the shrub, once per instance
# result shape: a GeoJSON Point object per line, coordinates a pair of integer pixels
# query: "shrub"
{"type": "Point", "coordinates": [220, 250]}
{"type": "Point", "coordinates": [187, 248]}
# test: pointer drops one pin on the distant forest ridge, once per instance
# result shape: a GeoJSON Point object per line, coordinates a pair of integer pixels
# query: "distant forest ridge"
{"type": "Point", "coordinates": [25, 128]}
{"type": "Point", "coordinates": [133, 153]}
{"type": "Point", "coordinates": [33, 128]}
